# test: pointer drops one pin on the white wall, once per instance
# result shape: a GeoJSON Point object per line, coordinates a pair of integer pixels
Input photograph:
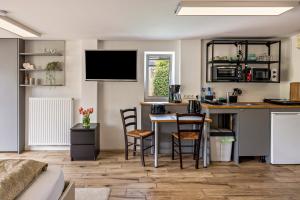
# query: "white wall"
{"type": "Point", "coordinates": [119, 95]}
{"type": "Point", "coordinates": [291, 71]}
{"type": "Point", "coordinates": [251, 91]}
{"type": "Point", "coordinates": [191, 66]}
{"type": "Point", "coordinates": [114, 96]}
{"type": "Point", "coordinates": [89, 89]}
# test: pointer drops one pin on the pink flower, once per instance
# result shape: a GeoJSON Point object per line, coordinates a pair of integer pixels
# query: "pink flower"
{"type": "Point", "coordinates": [86, 112]}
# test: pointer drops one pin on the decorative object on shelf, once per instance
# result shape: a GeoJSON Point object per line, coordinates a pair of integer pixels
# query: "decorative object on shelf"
{"type": "Point", "coordinates": [49, 51]}
{"type": "Point", "coordinates": [251, 57]}
{"type": "Point", "coordinates": [26, 79]}
{"type": "Point", "coordinates": [37, 81]}
{"type": "Point", "coordinates": [86, 122]}
{"type": "Point", "coordinates": [221, 58]}
{"type": "Point", "coordinates": [239, 53]}
{"type": "Point", "coordinates": [28, 66]}
{"type": "Point", "coordinates": [50, 74]}
{"type": "Point", "coordinates": [265, 57]}
{"type": "Point", "coordinates": [31, 81]}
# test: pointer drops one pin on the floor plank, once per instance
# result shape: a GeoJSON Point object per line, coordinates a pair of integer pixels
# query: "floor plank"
{"type": "Point", "coordinates": [250, 180]}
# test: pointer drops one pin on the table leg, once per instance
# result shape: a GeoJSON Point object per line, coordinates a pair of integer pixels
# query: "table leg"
{"type": "Point", "coordinates": [152, 140]}
{"type": "Point", "coordinates": [156, 144]}
{"type": "Point", "coordinates": [205, 146]}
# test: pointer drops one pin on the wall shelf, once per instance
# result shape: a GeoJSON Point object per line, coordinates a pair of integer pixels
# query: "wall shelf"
{"type": "Point", "coordinates": [41, 85]}
{"type": "Point", "coordinates": [37, 70]}
{"type": "Point", "coordinates": [41, 54]}
{"type": "Point", "coordinates": [34, 53]}
{"type": "Point", "coordinates": [242, 62]}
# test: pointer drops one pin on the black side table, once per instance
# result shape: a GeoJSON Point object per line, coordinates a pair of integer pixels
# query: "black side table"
{"type": "Point", "coordinates": [85, 142]}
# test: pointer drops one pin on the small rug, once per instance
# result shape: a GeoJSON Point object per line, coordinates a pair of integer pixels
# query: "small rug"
{"type": "Point", "coordinates": [92, 193]}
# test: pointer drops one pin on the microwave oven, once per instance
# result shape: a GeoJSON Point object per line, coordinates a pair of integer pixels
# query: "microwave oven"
{"type": "Point", "coordinates": [261, 74]}
{"type": "Point", "coordinates": [226, 72]}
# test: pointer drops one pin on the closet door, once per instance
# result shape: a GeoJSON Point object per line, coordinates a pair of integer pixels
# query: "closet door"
{"type": "Point", "coordinates": [9, 95]}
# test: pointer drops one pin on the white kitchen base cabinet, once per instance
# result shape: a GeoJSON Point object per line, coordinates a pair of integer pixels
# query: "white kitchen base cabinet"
{"type": "Point", "coordinates": [285, 137]}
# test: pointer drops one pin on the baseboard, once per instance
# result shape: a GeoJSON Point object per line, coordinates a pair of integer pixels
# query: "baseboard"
{"type": "Point", "coordinates": [47, 148]}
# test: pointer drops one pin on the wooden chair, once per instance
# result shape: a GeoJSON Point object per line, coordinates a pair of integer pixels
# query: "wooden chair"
{"type": "Point", "coordinates": [129, 119]}
{"type": "Point", "coordinates": [188, 130]}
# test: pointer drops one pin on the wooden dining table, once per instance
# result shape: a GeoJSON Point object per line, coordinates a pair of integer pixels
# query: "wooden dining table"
{"type": "Point", "coordinates": [156, 119]}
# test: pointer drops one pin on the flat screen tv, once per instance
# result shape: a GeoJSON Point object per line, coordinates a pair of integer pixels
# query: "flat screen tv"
{"type": "Point", "coordinates": [111, 65]}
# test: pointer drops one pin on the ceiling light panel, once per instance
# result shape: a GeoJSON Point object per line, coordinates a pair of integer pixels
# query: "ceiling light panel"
{"type": "Point", "coordinates": [262, 8]}
{"type": "Point", "coordinates": [17, 28]}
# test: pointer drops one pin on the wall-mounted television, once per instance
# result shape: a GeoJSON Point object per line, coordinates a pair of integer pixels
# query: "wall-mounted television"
{"type": "Point", "coordinates": [111, 65]}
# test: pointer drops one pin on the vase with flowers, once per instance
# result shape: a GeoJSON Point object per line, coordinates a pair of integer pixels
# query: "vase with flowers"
{"type": "Point", "coordinates": [86, 122]}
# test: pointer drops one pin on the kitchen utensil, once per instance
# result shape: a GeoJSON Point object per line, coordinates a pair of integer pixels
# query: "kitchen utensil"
{"type": "Point", "coordinates": [194, 106]}
{"type": "Point", "coordinates": [174, 94]}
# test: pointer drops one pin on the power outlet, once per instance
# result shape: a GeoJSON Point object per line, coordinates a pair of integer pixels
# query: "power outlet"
{"type": "Point", "coordinates": [188, 96]}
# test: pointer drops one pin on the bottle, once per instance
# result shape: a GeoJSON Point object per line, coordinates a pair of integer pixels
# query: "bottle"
{"type": "Point", "coordinates": [203, 90]}
{"type": "Point", "coordinates": [209, 93]}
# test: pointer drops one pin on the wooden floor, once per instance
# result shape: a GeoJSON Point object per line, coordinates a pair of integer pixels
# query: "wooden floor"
{"type": "Point", "coordinates": [128, 180]}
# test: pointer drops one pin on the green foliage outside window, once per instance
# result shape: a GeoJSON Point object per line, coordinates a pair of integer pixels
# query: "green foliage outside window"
{"type": "Point", "coordinates": [161, 78]}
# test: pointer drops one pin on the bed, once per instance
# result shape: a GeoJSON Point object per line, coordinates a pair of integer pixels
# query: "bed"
{"type": "Point", "coordinates": [49, 184]}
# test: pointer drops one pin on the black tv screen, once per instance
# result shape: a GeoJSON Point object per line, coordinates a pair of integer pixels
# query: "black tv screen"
{"type": "Point", "coordinates": [111, 65]}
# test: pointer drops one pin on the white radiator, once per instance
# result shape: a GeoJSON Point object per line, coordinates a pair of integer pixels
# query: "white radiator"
{"type": "Point", "coordinates": [50, 120]}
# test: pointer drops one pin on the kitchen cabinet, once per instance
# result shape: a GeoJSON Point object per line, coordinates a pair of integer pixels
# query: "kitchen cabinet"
{"type": "Point", "coordinates": [254, 132]}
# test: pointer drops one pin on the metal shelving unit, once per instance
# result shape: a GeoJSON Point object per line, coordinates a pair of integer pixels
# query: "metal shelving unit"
{"type": "Point", "coordinates": [269, 44]}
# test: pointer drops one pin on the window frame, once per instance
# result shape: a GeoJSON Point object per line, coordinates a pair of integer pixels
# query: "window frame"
{"type": "Point", "coordinates": [146, 74]}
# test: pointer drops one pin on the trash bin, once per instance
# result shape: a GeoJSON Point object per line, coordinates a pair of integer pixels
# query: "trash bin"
{"type": "Point", "coordinates": [221, 146]}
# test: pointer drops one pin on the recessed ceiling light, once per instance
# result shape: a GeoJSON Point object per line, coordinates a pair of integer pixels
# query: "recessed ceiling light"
{"type": "Point", "coordinates": [16, 27]}
{"type": "Point", "coordinates": [234, 7]}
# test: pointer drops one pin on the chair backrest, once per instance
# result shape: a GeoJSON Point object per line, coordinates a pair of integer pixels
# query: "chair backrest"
{"type": "Point", "coordinates": [129, 118]}
{"type": "Point", "coordinates": [191, 122]}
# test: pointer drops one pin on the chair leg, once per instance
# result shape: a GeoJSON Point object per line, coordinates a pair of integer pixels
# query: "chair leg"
{"type": "Point", "coordinates": [134, 146]}
{"type": "Point", "coordinates": [126, 148]}
{"type": "Point", "coordinates": [197, 155]}
{"type": "Point", "coordinates": [173, 147]}
{"type": "Point", "coordinates": [195, 146]}
{"type": "Point", "coordinates": [180, 154]}
{"type": "Point", "coordinates": [142, 151]}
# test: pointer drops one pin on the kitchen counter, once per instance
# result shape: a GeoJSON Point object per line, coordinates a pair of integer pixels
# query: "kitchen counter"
{"type": "Point", "coordinates": [247, 105]}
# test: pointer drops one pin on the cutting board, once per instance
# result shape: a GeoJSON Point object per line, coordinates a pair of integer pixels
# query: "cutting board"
{"type": "Point", "coordinates": [295, 91]}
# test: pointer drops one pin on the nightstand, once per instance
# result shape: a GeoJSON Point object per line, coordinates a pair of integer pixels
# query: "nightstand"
{"type": "Point", "coordinates": [85, 142]}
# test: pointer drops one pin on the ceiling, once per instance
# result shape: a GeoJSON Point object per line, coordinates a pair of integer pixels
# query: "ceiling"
{"type": "Point", "coordinates": [138, 20]}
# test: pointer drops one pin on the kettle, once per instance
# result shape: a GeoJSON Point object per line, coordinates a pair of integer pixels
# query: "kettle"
{"type": "Point", "coordinates": [194, 106]}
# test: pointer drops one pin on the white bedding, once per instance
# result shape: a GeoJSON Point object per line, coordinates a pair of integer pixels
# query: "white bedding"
{"type": "Point", "coordinates": [48, 186]}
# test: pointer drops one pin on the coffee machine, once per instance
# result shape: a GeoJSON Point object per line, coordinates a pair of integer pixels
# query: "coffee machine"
{"type": "Point", "coordinates": [174, 94]}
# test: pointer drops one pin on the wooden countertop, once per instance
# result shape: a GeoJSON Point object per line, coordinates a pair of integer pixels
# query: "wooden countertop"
{"type": "Point", "coordinates": [247, 105]}
{"type": "Point", "coordinates": [165, 103]}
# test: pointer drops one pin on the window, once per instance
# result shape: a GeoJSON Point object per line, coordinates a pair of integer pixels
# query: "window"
{"type": "Point", "coordinates": [159, 73]}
